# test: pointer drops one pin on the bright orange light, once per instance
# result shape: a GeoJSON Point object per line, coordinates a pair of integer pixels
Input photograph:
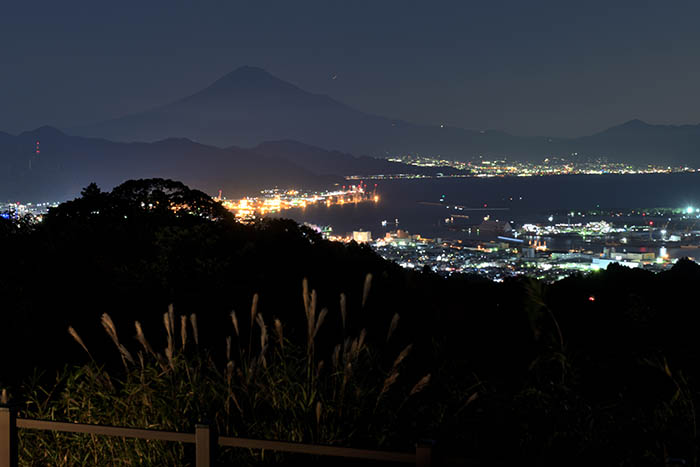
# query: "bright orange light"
{"type": "Point", "coordinates": [274, 201]}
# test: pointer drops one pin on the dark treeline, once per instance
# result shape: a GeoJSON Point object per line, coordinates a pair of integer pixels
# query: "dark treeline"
{"type": "Point", "coordinates": [595, 370]}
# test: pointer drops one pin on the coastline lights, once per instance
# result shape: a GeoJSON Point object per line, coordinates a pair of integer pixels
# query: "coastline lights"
{"type": "Point", "coordinates": [276, 200]}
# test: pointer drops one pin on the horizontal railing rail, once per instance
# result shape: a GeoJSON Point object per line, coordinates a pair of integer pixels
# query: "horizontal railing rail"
{"type": "Point", "coordinates": [203, 438]}
{"type": "Point", "coordinates": [140, 433]}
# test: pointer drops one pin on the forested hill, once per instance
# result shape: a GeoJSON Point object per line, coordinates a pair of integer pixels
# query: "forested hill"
{"type": "Point", "coordinates": [595, 370]}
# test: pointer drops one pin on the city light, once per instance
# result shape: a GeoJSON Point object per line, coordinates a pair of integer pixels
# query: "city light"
{"type": "Point", "coordinates": [502, 168]}
{"type": "Point", "coordinates": [270, 201]}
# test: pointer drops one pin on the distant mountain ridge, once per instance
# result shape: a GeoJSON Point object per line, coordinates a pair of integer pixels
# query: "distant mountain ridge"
{"type": "Point", "coordinates": [641, 142]}
{"type": "Point", "coordinates": [324, 162]}
{"type": "Point", "coordinates": [249, 106]}
{"type": "Point", "coordinates": [66, 164]}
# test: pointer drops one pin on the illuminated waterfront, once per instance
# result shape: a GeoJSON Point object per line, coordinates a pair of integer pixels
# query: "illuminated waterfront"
{"type": "Point", "coordinates": [561, 224]}
{"type": "Point", "coordinates": [496, 226]}
{"type": "Point", "coordinates": [483, 167]}
{"type": "Point", "coordinates": [546, 250]}
{"type": "Point", "coordinates": [272, 201]}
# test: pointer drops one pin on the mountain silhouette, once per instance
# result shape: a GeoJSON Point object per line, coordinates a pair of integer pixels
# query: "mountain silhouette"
{"type": "Point", "coordinates": [243, 108]}
{"type": "Point", "coordinates": [323, 162]}
{"type": "Point", "coordinates": [249, 106]}
{"type": "Point", "coordinates": [640, 142]}
{"type": "Point", "coordinates": [66, 164]}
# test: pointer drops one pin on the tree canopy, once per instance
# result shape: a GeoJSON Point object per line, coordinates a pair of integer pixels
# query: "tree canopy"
{"type": "Point", "coordinates": [136, 197]}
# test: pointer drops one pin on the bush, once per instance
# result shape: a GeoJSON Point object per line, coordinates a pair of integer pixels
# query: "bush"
{"type": "Point", "coordinates": [275, 387]}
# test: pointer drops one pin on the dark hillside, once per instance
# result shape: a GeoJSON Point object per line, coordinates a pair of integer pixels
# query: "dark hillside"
{"type": "Point", "coordinates": [595, 370]}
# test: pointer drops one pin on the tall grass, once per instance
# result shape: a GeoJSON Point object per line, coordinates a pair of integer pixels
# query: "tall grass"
{"type": "Point", "coordinates": [264, 386]}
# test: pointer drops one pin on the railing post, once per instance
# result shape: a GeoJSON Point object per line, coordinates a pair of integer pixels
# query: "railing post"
{"type": "Point", "coordinates": [424, 453]}
{"type": "Point", "coordinates": [205, 447]}
{"type": "Point", "coordinates": [8, 437]}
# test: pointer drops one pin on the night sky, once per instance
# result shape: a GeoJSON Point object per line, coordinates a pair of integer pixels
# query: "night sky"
{"type": "Point", "coordinates": [527, 67]}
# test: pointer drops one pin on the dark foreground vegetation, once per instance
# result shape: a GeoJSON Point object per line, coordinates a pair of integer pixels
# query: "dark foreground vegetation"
{"type": "Point", "coordinates": [275, 333]}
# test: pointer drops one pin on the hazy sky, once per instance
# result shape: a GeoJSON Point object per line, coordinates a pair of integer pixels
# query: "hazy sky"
{"type": "Point", "coordinates": [527, 67]}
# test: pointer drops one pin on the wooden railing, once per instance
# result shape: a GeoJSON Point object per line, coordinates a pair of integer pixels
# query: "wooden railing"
{"type": "Point", "coordinates": [204, 439]}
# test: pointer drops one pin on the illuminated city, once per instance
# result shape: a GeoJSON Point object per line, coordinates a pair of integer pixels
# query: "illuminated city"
{"type": "Point", "coordinates": [31, 211]}
{"type": "Point", "coordinates": [564, 243]}
{"type": "Point", "coordinates": [549, 248]}
{"type": "Point", "coordinates": [482, 167]}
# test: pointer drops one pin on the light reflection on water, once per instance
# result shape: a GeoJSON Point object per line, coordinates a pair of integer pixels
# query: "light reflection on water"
{"type": "Point", "coordinates": [530, 199]}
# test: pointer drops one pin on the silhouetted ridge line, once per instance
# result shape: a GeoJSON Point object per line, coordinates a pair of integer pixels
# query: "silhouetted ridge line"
{"type": "Point", "coordinates": [249, 106]}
